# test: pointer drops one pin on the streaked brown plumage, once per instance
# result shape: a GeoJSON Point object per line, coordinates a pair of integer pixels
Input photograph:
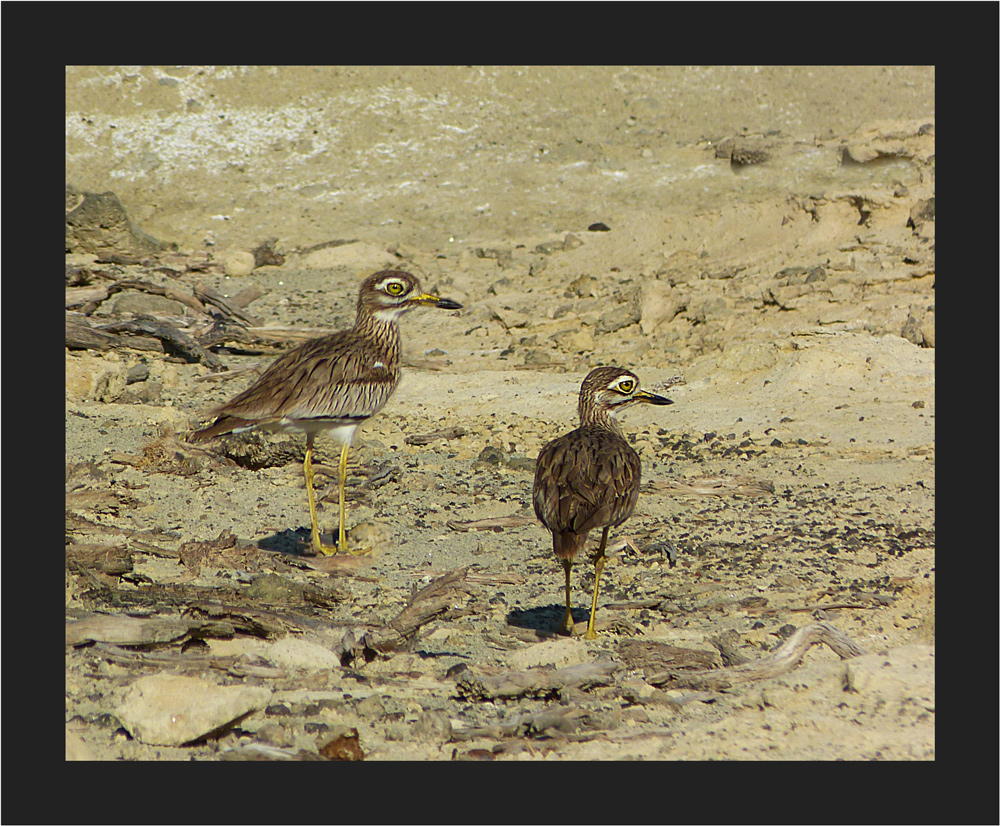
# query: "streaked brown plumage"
{"type": "Point", "coordinates": [589, 477]}
{"type": "Point", "coordinates": [334, 383]}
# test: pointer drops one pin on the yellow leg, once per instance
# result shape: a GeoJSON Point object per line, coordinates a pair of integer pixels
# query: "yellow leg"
{"type": "Point", "coordinates": [598, 570]}
{"type": "Point", "coordinates": [568, 624]}
{"type": "Point", "coordinates": [342, 535]}
{"type": "Point", "coordinates": [318, 546]}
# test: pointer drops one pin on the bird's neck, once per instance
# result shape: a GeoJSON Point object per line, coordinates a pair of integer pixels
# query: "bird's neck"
{"type": "Point", "coordinates": [383, 331]}
{"type": "Point", "coordinates": [598, 417]}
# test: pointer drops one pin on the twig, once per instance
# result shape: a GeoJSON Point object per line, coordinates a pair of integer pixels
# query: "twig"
{"type": "Point", "coordinates": [545, 681]}
{"type": "Point", "coordinates": [427, 438]}
{"type": "Point", "coordinates": [225, 306]}
{"type": "Point", "coordinates": [494, 524]}
{"type": "Point", "coordinates": [445, 593]}
{"type": "Point", "coordinates": [715, 486]}
{"type": "Point", "coordinates": [779, 662]}
{"type": "Point", "coordinates": [481, 579]}
{"type": "Point", "coordinates": [168, 334]}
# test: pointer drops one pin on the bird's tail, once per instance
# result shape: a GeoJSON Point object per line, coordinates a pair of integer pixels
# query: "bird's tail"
{"type": "Point", "coordinates": [220, 427]}
{"type": "Point", "coordinates": [567, 545]}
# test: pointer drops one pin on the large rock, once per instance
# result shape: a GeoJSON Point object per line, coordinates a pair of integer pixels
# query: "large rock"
{"type": "Point", "coordinates": [559, 653]}
{"type": "Point", "coordinates": [99, 224]}
{"type": "Point", "coordinates": [95, 378]}
{"type": "Point", "coordinates": [657, 305]}
{"type": "Point", "coordinates": [171, 710]}
{"type": "Point", "coordinates": [359, 255]}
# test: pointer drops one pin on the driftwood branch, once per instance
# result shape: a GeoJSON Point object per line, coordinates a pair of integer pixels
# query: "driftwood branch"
{"type": "Point", "coordinates": [132, 631]}
{"type": "Point", "coordinates": [185, 298]}
{"type": "Point", "coordinates": [85, 296]}
{"type": "Point", "coordinates": [714, 486]}
{"type": "Point", "coordinates": [113, 560]}
{"type": "Point", "coordinates": [81, 336]}
{"type": "Point", "coordinates": [536, 682]}
{"type": "Point", "coordinates": [562, 721]}
{"type": "Point", "coordinates": [427, 438]}
{"type": "Point", "coordinates": [496, 523]}
{"type": "Point", "coordinates": [441, 595]}
{"type": "Point", "coordinates": [483, 579]}
{"type": "Point", "coordinates": [781, 661]}
{"type": "Point", "coordinates": [178, 341]}
{"type": "Point", "coordinates": [226, 306]}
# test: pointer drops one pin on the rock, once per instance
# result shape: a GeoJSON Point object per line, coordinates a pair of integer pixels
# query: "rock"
{"type": "Point", "coordinates": [94, 378]}
{"type": "Point", "coordinates": [902, 679]}
{"type": "Point", "coordinates": [743, 151]}
{"type": "Point", "coordinates": [583, 286]}
{"type": "Point", "coordinates": [748, 356]}
{"type": "Point", "coordinates": [510, 318]}
{"type": "Point", "coordinates": [705, 308]}
{"type": "Point", "coordinates": [148, 304]}
{"type": "Point", "coordinates": [517, 461]}
{"type": "Point", "coordinates": [490, 455]}
{"type": "Point", "coordinates": [624, 315]}
{"type": "Point", "coordinates": [927, 328]}
{"type": "Point", "coordinates": [432, 726]}
{"type": "Point", "coordinates": [574, 341]}
{"type": "Point", "coordinates": [239, 263]}
{"type": "Point", "coordinates": [297, 653]}
{"type": "Point", "coordinates": [657, 305]}
{"type": "Point", "coordinates": [543, 357]}
{"type": "Point", "coordinates": [171, 710]}
{"type": "Point", "coordinates": [920, 213]}
{"type": "Point", "coordinates": [77, 749]}
{"type": "Point", "coordinates": [558, 653]}
{"type": "Point", "coordinates": [858, 153]}
{"type": "Point", "coordinates": [276, 734]}
{"type": "Point", "coordinates": [265, 255]}
{"type": "Point", "coordinates": [359, 255]}
{"type": "Point", "coordinates": [376, 536]}
{"type": "Point", "coordinates": [919, 326]}
{"type": "Point", "coordinates": [371, 707]}
{"type": "Point", "coordinates": [99, 224]}
{"type": "Point", "coordinates": [344, 746]}
{"type": "Point", "coordinates": [137, 372]}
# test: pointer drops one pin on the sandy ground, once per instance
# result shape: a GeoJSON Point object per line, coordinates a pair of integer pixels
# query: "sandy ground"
{"type": "Point", "coordinates": [768, 237]}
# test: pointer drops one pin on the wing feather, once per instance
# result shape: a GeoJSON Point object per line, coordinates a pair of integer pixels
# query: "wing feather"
{"type": "Point", "coordinates": [586, 479]}
{"type": "Point", "coordinates": [328, 377]}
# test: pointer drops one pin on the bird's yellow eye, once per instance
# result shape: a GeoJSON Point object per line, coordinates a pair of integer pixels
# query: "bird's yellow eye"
{"type": "Point", "coordinates": [394, 288]}
{"type": "Point", "coordinates": [626, 386]}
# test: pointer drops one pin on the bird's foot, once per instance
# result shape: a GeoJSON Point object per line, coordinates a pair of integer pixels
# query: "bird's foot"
{"type": "Point", "coordinates": [323, 550]}
{"type": "Point", "coordinates": [338, 547]}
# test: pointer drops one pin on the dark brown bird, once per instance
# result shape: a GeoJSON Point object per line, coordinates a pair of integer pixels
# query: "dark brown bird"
{"type": "Point", "coordinates": [589, 478]}
{"type": "Point", "coordinates": [332, 384]}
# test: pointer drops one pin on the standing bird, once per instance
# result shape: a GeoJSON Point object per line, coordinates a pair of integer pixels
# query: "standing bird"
{"type": "Point", "coordinates": [589, 478]}
{"type": "Point", "coordinates": [333, 383]}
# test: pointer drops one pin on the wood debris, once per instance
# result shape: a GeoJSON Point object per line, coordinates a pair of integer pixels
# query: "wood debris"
{"type": "Point", "coordinates": [496, 523]}
{"type": "Point", "coordinates": [545, 681]}
{"type": "Point", "coordinates": [427, 438]}
{"type": "Point", "coordinates": [788, 656]}
{"type": "Point", "coordinates": [446, 593]}
{"type": "Point", "coordinates": [715, 486]}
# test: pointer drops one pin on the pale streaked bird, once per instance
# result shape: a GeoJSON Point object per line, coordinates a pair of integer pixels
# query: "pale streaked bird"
{"type": "Point", "coordinates": [332, 384]}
